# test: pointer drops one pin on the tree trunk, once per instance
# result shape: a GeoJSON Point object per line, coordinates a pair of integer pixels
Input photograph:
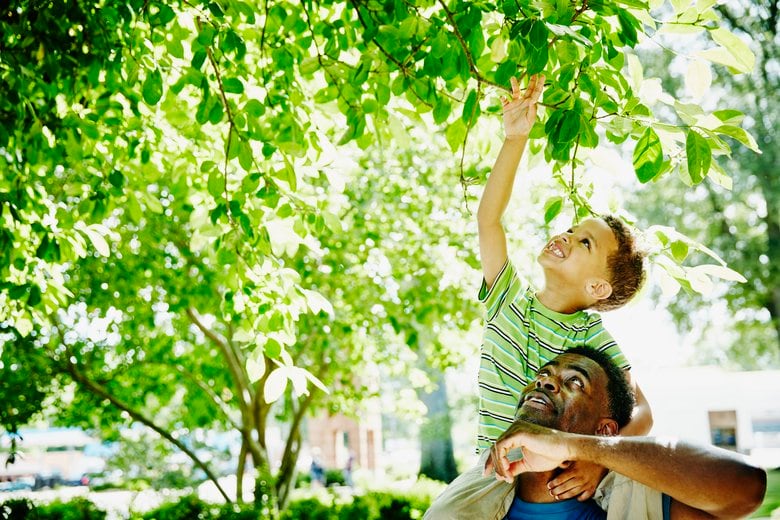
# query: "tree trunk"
{"type": "Point", "coordinates": [265, 491]}
{"type": "Point", "coordinates": [240, 473]}
{"type": "Point", "coordinates": [437, 459]}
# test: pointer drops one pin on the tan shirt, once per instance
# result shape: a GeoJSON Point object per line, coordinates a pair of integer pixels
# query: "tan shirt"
{"type": "Point", "coordinates": [474, 497]}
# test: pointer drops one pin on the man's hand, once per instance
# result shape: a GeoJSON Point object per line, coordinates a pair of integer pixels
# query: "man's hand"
{"type": "Point", "coordinates": [520, 111]}
{"type": "Point", "coordinates": [580, 479]}
{"type": "Point", "coordinates": [543, 450]}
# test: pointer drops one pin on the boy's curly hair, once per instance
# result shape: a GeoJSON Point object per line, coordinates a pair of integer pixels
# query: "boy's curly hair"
{"type": "Point", "coordinates": [626, 266]}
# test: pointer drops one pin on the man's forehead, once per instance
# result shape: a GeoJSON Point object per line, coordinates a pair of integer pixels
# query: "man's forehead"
{"type": "Point", "coordinates": [577, 362]}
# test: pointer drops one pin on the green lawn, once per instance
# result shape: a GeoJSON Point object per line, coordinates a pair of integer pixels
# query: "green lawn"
{"type": "Point", "coordinates": [772, 498]}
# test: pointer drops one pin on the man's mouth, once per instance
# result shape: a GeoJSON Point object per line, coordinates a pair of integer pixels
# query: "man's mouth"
{"type": "Point", "coordinates": [538, 399]}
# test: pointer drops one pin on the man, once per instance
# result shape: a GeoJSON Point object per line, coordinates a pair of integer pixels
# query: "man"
{"type": "Point", "coordinates": [573, 411]}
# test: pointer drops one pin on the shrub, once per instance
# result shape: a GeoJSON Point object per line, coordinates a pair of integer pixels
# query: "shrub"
{"type": "Point", "coordinates": [308, 509]}
{"type": "Point", "coordinates": [334, 477]}
{"type": "Point", "coordinates": [76, 509]}
{"type": "Point", "coordinates": [187, 508]}
{"type": "Point", "coordinates": [18, 509]}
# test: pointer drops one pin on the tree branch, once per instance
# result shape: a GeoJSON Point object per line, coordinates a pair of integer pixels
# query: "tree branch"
{"type": "Point", "coordinates": [464, 46]}
{"type": "Point", "coordinates": [235, 369]}
{"type": "Point", "coordinates": [138, 416]}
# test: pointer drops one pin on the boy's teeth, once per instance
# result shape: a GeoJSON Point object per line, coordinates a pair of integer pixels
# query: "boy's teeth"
{"type": "Point", "coordinates": [554, 249]}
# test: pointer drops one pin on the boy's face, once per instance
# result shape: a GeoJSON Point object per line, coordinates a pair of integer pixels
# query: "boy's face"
{"type": "Point", "coordinates": [580, 254]}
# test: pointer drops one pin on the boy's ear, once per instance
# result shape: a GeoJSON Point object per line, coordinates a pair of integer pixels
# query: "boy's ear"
{"type": "Point", "coordinates": [607, 427]}
{"type": "Point", "coordinates": [598, 288]}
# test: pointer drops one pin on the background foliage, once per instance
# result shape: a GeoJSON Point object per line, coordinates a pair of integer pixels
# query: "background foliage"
{"type": "Point", "coordinates": [212, 213]}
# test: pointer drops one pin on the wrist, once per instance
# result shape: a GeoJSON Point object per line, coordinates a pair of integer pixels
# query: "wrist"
{"type": "Point", "coordinates": [516, 137]}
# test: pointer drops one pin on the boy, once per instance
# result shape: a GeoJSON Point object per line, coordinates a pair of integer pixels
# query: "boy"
{"type": "Point", "coordinates": [593, 265]}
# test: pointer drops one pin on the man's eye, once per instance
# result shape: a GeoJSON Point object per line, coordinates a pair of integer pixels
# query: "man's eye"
{"type": "Point", "coordinates": [577, 381]}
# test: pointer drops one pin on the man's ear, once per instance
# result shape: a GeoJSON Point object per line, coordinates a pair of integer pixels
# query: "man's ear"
{"type": "Point", "coordinates": [607, 427]}
{"type": "Point", "coordinates": [598, 288]}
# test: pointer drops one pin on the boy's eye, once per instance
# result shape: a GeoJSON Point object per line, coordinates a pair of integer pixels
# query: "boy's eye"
{"type": "Point", "coordinates": [570, 230]}
{"type": "Point", "coordinates": [586, 242]}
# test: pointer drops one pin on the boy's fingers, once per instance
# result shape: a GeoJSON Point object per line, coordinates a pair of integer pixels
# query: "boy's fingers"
{"type": "Point", "coordinates": [488, 466]}
{"type": "Point", "coordinates": [584, 496]}
{"type": "Point", "coordinates": [515, 87]}
{"type": "Point", "coordinates": [535, 88]}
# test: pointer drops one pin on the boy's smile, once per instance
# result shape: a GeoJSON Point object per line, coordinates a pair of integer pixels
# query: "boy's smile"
{"type": "Point", "coordinates": [580, 253]}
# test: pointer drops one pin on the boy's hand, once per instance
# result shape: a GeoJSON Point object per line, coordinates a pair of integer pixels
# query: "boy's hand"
{"type": "Point", "coordinates": [580, 479]}
{"type": "Point", "coordinates": [520, 111]}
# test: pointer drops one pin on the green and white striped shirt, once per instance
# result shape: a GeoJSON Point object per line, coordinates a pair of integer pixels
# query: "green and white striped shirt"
{"type": "Point", "coordinates": [520, 336]}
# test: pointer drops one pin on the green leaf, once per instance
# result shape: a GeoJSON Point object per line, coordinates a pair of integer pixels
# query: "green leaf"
{"type": "Point", "coordinates": [538, 35]}
{"type": "Point", "coordinates": [552, 208]}
{"type": "Point", "coordinates": [720, 271]}
{"type": "Point", "coordinates": [628, 26]}
{"type": "Point", "coordinates": [206, 35]}
{"type": "Point", "coordinates": [255, 366]}
{"type": "Point", "coordinates": [470, 108]}
{"type": "Point", "coordinates": [216, 183]}
{"type": "Point", "coordinates": [588, 136]}
{"type": "Point", "coordinates": [455, 134]}
{"type": "Point", "coordinates": [679, 250]}
{"type": "Point", "coordinates": [134, 208]}
{"type": "Point", "coordinates": [740, 134]}
{"type": "Point", "coordinates": [699, 156]}
{"type": "Point", "coordinates": [116, 178]}
{"type": "Point", "coordinates": [233, 85]}
{"type": "Point", "coordinates": [152, 203]}
{"type": "Point", "coordinates": [743, 56]}
{"type": "Point", "coordinates": [254, 108]}
{"type": "Point", "coordinates": [648, 156]}
{"type": "Point", "coordinates": [569, 127]}
{"type": "Point", "coordinates": [245, 156]}
{"type": "Point", "coordinates": [441, 111]}
{"type": "Point", "coordinates": [698, 78]}
{"type": "Point", "coordinates": [95, 236]}
{"type": "Point", "coordinates": [729, 116]}
{"type": "Point", "coordinates": [35, 296]}
{"type": "Point", "coordinates": [275, 385]}
{"type": "Point", "coordinates": [152, 89]}
{"type": "Point", "coordinates": [505, 71]}
{"type": "Point", "coordinates": [537, 60]}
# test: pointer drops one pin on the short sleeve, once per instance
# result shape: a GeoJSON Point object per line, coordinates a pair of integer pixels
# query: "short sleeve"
{"type": "Point", "coordinates": [600, 339]}
{"type": "Point", "coordinates": [494, 296]}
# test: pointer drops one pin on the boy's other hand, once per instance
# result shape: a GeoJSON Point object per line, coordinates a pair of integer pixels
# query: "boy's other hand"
{"type": "Point", "coordinates": [520, 110]}
{"type": "Point", "coordinates": [580, 479]}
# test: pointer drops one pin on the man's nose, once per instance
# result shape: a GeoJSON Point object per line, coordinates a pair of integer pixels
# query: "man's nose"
{"type": "Point", "coordinates": [548, 383]}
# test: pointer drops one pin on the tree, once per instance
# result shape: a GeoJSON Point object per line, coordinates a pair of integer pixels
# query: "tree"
{"type": "Point", "coordinates": [172, 184]}
{"type": "Point", "coordinates": [737, 219]}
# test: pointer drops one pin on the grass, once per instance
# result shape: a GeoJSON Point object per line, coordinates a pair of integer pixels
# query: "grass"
{"type": "Point", "coordinates": [772, 498]}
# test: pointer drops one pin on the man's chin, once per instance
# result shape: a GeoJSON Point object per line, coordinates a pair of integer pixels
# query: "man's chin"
{"type": "Point", "coordinates": [538, 417]}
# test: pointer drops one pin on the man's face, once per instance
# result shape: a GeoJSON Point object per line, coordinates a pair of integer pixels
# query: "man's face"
{"type": "Point", "coordinates": [569, 393]}
{"type": "Point", "coordinates": [580, 253]}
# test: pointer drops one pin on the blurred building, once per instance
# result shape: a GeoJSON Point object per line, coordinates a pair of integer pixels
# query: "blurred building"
{"type": "Point", "coordinates": [53, 454]}
{"type": "Point", "coordinates": [338, 437]}
{"type": "Point", "coordinates": [734, 410]}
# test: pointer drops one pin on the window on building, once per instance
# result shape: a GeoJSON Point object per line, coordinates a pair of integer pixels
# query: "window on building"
{"type": "Point", "coordinates": [766, 431]}
{"type": "Point", "coordinates": [723, 428]}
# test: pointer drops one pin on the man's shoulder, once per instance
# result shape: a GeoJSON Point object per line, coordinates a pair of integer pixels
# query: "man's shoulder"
{"type": "Point", "coordinates": [622, 497]}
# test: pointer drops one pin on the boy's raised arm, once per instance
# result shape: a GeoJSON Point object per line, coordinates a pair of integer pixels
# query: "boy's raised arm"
{"type": "Point", "coordinates": [519, 117]}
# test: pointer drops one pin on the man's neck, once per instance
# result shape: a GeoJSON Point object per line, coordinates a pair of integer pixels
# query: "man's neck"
{"type": "Point", "coordinates": [532, 487]}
